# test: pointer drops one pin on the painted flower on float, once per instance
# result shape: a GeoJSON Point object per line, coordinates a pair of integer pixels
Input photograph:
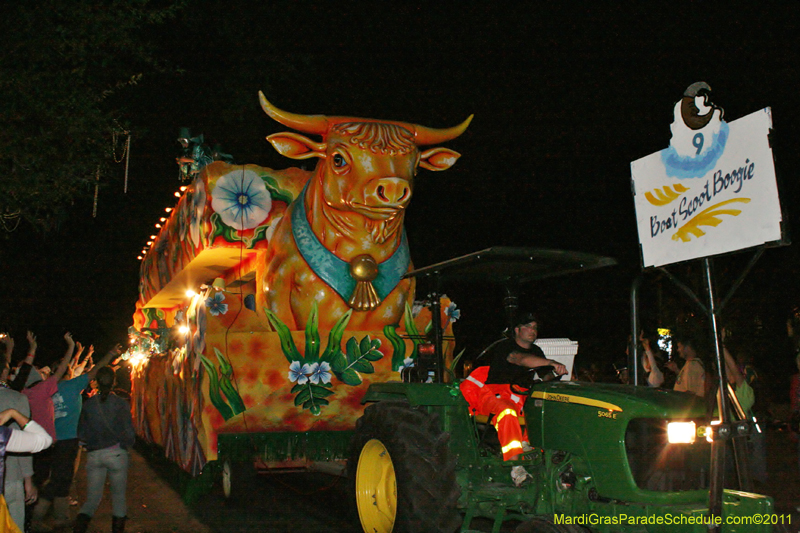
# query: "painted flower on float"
{"type": "Point", "coordinates": [241, 199]}
{"type": "Point", "coordinates": [320, 373]}
{"type": "Point", "coordinates": [299, 373]}
{"type": "Point", "coordinates": [196, 210]}
{"type": "Point", "coordinates": [214, 304]}
{"type": "Point", "coordinates": [452, 312]}
{"type": "Point", "coordinates": [407, 362]}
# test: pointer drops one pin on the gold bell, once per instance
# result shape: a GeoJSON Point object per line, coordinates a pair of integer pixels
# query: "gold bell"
{"type": "Point", "coordinates": [364, 269]}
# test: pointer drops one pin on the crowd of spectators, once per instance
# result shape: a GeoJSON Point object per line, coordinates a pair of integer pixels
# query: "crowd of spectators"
{"type": "Point", "coordinates": [67, 408]}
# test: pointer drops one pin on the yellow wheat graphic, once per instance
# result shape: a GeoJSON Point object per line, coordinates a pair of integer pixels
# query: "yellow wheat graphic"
{"type": "Point", "coordinates": [707, 217]}
{"type": "Point", "coordinates": [663, 198]}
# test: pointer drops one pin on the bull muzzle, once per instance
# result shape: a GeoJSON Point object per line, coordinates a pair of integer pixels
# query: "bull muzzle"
{"type": "Point", "coordinates": [388, 192]}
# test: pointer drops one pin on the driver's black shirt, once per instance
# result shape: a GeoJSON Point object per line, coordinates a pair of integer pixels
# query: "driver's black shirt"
{"type": "Point", "coordinates": [500, 370]}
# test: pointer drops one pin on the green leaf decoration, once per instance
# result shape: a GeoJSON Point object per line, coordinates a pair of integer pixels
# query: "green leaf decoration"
{"type": "Point", "coordinates": [312, 336]}
{"type": "Point", "coordinates": [259, 234]}
{"type": "Point", "coordinates": [362, 365]}
{"type": "Point", "coordinates": [287, 343]}
{"type": "Point", "coordinates": [358, 358]}
{"type": "Point", "coordinates": [338, 363]}
{"type": "Point", "coordinates": [153, 314]}
{"type": "Point", "coordinates": [345, 365]}
{"type": "Point", "coordinates": [311, 396]}
{"type": "Point", "coordinates": [236, 402]}
{"type": "Point", "coordinates": [220, 228]}
{"type": "Point", "coordinates": [303, 397]}
{"type": "Point", "coordinates": [217, 227]}
{"type": "Point", "coordinates": [365, 345]}
{"type": "Point", "coordinates": [225, 367]}
{"type": "Point", "coordinates": [413, 332]}
{"type": "Point", "coordinates": [451, 369]}
{"type": "Point", "coordinates": [316, 400]}
{"type": "Point", "coordinates": [225, 384]}
{"type": "Point", "coordinates": [320, 392]}
{"type": "Point", "coordinates": [334, 346]}
{"type": "Point", "coordinates": [275, 191]}
{"type": "Point", "coordinates": [351, 350]}
{"type": "Point", "coordinates": [398, 346]}
{"type": "Point", "coordinates": [411, 327]}
{"type": "Point", "coordinates": [213, 389]}
{"type": "Point", "coordinates": [349, 377]}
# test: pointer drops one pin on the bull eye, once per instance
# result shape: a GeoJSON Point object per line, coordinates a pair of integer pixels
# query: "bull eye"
{"type": "Point", "coordinates": [339, 161]}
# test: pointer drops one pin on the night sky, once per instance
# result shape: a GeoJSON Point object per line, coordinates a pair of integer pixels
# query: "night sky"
{"type": "Point", "coordinates": [564, 100]}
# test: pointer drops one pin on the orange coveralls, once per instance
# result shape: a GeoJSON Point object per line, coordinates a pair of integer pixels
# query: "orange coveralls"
{"type": "Point", "coordinates": [498, 399]}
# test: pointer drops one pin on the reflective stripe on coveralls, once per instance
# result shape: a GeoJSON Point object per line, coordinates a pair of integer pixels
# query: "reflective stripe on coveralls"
{"type": "Point", "coordinates": [513, 447]}
{"type": "Point", "coordinates": [487, 399]}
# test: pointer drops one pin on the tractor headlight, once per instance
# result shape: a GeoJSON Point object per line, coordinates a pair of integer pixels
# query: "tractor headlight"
{"type": "Point", "coordinates": [708, 431]}
{"type": "Point", "coordinates": [681, 432]}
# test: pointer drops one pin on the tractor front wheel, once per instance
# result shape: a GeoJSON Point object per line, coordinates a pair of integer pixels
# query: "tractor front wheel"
{"type": "Point", "coordinates": [402, 472]}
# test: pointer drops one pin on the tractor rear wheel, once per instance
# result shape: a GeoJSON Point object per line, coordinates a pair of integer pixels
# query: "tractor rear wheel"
{"type": "Point", "coordinates": [402, 472]}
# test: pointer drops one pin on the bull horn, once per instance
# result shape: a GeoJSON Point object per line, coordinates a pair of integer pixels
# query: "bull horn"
{"type": "Point", "coordinates": [313, 124]}
{"type": "Point", "coordinates": [424, 136]}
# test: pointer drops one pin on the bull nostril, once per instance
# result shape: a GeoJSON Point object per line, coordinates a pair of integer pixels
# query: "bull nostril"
{"type": "Point", "coordinates": [403, 196]}
{"type": "Point", "coordinates": [381, 193]}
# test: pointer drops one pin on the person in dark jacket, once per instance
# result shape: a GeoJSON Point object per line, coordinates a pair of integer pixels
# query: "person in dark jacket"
{"type": "Point", "coordinates": [106, 429]}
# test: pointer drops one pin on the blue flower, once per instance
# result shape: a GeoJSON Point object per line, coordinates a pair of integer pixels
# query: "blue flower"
{"type": "Point", "coordinates": [452, 312]}
{"type": "Point", "coordinates": [320, 373]}
{"type": "Point", "coordinates": [299, 373]}
{"type": "Point", "coordinates": [241, 199]}
{"type": "Point", "coordinates": [215, 305]}
{"type": "Point", "coordinates": [407, 362]}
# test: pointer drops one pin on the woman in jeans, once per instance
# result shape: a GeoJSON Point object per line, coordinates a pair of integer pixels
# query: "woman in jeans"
{"type": "Point", "coordinates": [106, 430]}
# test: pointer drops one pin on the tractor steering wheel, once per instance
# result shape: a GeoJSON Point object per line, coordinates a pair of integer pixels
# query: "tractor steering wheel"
{"type": "Point", "coordinates": [540, 374]}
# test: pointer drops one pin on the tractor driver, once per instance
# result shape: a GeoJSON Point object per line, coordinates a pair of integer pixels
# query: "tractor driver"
{"type": "Point", "coordinates": [488, 388]}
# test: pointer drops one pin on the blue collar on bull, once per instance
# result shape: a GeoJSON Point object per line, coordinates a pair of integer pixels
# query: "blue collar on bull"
{"type": "Point", "coordinates": [336, 272]}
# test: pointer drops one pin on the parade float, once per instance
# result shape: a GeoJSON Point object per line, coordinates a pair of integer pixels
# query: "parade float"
{"type": "Point", "coordinates": [271, 299]}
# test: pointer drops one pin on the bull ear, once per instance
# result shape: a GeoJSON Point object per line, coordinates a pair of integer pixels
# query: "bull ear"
{"type": "Point", "coordinates": [296, 146]}
{"type": "Point", "coordinates": [438, 158]}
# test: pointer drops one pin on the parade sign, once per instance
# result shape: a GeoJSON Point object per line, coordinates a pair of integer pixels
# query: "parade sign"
{"type": "Point", "coordinates": [712, 191]}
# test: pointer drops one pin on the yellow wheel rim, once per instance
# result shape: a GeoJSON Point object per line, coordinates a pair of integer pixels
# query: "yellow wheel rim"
{"type": "Point", "coordinates": [376, 488]}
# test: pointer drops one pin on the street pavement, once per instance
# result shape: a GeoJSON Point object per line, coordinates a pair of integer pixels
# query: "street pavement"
{"type": "Point", "coordinates": [310, 502]}
{"type": "Point", "coordinates": [316, 503]}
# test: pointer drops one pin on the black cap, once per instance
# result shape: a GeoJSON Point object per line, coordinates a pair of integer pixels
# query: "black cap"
{"type": "Point", "coordinates": [525, 318]}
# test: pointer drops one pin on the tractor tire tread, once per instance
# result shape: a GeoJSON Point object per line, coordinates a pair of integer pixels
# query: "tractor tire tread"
{"type": "Point", "coordinates": [425, 468]}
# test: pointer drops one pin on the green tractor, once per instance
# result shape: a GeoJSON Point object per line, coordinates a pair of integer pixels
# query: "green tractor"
{"type": "Point", "coordinates": [606, 457]}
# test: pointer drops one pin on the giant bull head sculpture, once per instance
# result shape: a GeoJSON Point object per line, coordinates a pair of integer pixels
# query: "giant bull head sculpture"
{"type": "Point", "coordinates": [341, 243]}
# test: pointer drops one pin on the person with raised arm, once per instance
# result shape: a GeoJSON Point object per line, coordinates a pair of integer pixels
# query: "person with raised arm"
{"type": "Point", "coordinates": [39, 393]}
{"type": "Point", "coordinates": [67, 402]}
{"type": "Point", "coordinates": [18, 485]}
